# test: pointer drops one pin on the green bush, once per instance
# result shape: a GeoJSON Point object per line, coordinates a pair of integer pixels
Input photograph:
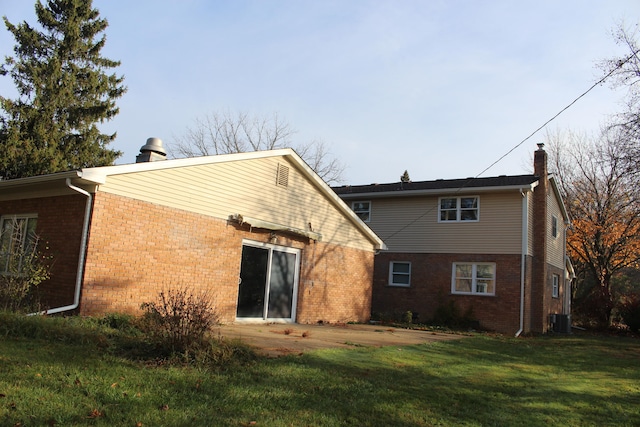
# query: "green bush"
{"type": "Point", "coordinates": [179, 320]}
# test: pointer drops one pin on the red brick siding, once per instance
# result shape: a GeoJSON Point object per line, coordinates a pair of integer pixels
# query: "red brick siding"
{"type": "Point", "coordinates": [137, 249]}
{"type": "Point", "coordinates": [431, 287]}
{"type": "Point", "coordinates": [59, 227]}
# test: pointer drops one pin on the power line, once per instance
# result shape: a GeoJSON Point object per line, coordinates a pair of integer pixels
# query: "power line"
{"type": "Point", "coordinates": [468, 181]}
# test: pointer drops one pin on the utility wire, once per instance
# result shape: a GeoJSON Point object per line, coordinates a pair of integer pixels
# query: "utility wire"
{"type": "Point", "coordinates": [468, 181]}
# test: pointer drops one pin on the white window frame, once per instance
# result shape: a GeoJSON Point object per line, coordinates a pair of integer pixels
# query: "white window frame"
{"type": "Point", "coordinates": [554, 226]}
{"type": "Point", "coordinates": [475, 286]}
{"type": "Point", "coordinates": [9, 246]}
{"type": "Point", "coordinates": [555, 285]}
{"type": "Point", "coordinates": [458, 209]}
{"type": "Point", "coordinates": [393, 273]}
{"type": "Point", "coordinates": [362, 211]}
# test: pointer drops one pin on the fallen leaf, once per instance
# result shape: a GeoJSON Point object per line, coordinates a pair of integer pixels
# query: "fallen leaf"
{"type": "Point", "coordinates": [164, 407]}
{"type": "Point", "coordinates": [95, 414]}
{"type": "Point", "coordinates": [114, 385]}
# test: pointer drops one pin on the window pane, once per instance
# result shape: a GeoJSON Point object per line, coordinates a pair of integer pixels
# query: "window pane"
{"type": "Point", "coordinates": [468, 215]}
{"type": "Point", "coordinates": [401, 267]}
{"type": "Point", "coordinates": [463, 285]}
{"type": "Point", "coordinates": [401, 279]}
{"type": "Point", "coordinates": [468, 203]}
{"type": "Point", "coordinates": [464, 270]}
{"type": "Point", "coordinates": [448, 203]}
{"type": "Point", "coordinates": [484, 271]}
{"type": "Point", "coordinates": [484, 286]}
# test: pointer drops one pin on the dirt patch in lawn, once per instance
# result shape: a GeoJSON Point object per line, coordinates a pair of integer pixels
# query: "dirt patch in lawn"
{"type": "Point", "coordinates": [276, 339]}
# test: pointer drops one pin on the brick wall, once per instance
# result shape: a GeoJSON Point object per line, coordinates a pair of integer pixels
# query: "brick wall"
{"type": "Point", "coordinates": [431, 287]}
{"type": "Point", "coordinates": [59, 228]}
{"type": "Point", "coordinates": [136, 249]}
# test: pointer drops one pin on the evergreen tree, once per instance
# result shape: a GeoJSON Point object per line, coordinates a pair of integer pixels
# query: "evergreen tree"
{"type": "Point", "coordinates": [63, 92]}
{"type": "Point", "coordinates": [405, 177]}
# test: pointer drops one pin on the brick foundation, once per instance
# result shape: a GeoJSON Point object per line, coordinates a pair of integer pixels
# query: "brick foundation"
{"type": "Point", "coordinates": [431, 288]}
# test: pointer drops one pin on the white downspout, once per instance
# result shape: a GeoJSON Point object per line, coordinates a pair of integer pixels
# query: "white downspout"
{"type": "Point", "coordinates": [81, 257]}
{"type": "Point", "coordinates": [525, 248]}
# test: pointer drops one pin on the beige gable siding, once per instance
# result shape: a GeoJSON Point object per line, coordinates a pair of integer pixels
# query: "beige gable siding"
{"type": "Point", "coordinates": [411, 225]}
{"type": "Point", "coordinates": [246, 187]}
{"type": "Point", "coordinates": [555, 246]}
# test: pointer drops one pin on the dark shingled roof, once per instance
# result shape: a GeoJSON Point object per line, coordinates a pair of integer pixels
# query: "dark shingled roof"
{"type": "Point", "coordinates": [439, 184]}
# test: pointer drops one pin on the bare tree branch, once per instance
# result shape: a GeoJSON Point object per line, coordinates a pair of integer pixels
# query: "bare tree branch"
{"type": "Point", "coordinates": [226, 133]}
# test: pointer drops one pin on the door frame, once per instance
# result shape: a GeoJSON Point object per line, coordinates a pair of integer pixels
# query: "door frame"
{"type": "Point", "coordinates": [296, 278]}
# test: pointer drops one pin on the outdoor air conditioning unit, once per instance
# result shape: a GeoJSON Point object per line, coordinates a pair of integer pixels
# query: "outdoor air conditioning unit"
{"type": "Point", "coordinates": [562, 323]}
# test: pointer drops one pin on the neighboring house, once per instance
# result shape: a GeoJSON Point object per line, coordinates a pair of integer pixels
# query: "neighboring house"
{"type": "Point", "coordinates": [495, 246]}
{"type": "Point", "coordinates": [260, 231]}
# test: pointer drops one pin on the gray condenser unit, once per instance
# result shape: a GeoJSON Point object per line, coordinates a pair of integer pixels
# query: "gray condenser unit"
{"type": "Point", "coordinates": [562, 323]}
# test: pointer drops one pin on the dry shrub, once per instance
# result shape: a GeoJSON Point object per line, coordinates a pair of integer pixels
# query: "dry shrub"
{"type": "Point", "coordinates": [179, 319]}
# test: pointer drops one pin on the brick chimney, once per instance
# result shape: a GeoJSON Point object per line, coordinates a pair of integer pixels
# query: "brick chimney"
{"type": "Point", "coordinates": [540, 235]}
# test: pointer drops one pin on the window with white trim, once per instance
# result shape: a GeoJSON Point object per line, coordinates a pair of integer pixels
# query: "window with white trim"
{"type": "Point", "coordinates": [554, 226]}
{"type": "Point", "coordinates": [399, 273]}
{"type": "Point", "coordinates": [458, 209]}
{"type": "Point", "coordinates": [555, 286]}
{"type": "Point", "coordinates": [477, 278]}
{"type": "Point", "coordinates": [362, 209]}
{"type": "Point", "coordinates": [17, 241]}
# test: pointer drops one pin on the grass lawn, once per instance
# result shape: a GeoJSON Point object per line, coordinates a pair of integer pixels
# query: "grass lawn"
{"type": "Point", "coordinates": [479, 381]}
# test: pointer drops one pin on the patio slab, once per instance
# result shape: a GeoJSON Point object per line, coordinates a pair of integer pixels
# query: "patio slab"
{"type": "Point", "coordinates": [276, 339]}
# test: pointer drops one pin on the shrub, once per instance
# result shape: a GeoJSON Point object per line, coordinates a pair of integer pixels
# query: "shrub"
{"type": "Point", "coordinates": [25, 268]}
{"type": "Point", "coordinates": [179, 319]}
{"type": "Point", "coordinates": [407, 317]}
{"type": "Point", "coordinates": [630, 311]}
{"type": "Point", "coordinates": [447, 314]}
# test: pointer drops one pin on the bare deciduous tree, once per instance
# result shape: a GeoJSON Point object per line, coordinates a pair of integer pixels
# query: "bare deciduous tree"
{"type": "Point", "coordinates": [603, 202]}
{"type": "Point", "coordinates": [226, 133]}
{"type": "Point", "coordinates": [626, 74]}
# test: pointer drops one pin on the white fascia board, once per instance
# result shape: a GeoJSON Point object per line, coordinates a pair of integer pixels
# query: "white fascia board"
{"type": "Point", "coordinates": [439, 191]}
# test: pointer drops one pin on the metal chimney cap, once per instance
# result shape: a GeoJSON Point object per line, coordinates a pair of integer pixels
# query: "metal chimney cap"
{"type": "Point", "coordinates": [155, 145]}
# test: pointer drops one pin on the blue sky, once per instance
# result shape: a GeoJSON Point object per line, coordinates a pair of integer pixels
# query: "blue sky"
{"type": "Point", "coordinates": [440, 88]}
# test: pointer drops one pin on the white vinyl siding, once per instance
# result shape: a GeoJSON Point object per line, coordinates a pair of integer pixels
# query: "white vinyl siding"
{"type": "Point", "coordinates": [555, 246]}
{"type": "Point", "coordinates": [410, 224]}
{"type": "Point", "coordinates": [247, 187]}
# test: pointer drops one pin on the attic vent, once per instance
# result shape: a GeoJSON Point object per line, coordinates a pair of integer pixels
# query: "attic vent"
{"type": "Point", "coordinates": [282, 179]}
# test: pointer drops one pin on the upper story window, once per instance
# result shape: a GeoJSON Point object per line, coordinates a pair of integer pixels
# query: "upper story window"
{"type": "Point", "coordinates": [474, 278]}
{"type": "Point", "coordinates": [457, 209]}
{"type": "Point", "coordinates": [362, 209]}
{"type": "Point", "coordinates": [399, 273]}
{"type": "Point", "coordinates": [17, 242]}
{"type": "Point", "coordinates": [554, 226]}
